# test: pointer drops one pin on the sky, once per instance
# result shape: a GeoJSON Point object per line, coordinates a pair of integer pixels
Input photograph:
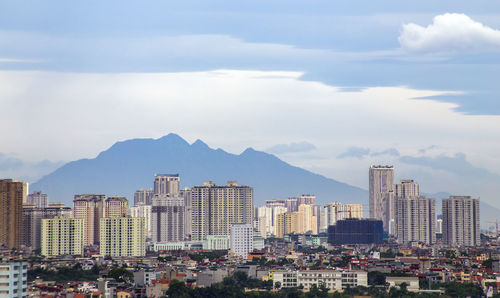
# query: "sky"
{"type": "Point", "coordinates": [332, 87]}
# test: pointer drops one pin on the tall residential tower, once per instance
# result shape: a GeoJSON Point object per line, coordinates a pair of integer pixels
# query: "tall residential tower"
{"type": "Point", "coordinates": [381, 188]}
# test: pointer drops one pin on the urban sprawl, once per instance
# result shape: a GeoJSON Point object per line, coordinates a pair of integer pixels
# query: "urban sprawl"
{"type": "Point", "coordinates": [212, 241]}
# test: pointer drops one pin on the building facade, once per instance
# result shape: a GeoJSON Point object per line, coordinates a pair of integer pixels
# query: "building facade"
{"type": "Point", "coordinates": [122, 237]}
{"type": "Point", "coordinates": [115, 207]}
{"type": "Point", "coordinates": [216, 208]}
{"type": "Point", "coordinates": [241, 239]}
{"type": "Point", "coordinates": [142, 210]}
{"type": "Point", "coordinates": [90, 208]}
{"type": "Point", "coordinates": [167, 218]}
{"type": "Point", "coordinates": [461, 221]}
{"type": "Point", "coordinates": [381, 193]}
{"type": "Point", "coordinates": [267, 218]}
{"type": "Point", "coordinates": [32, 222]}
{"type": "Point", "coordinates": [166, 184]}
{"type": "Point", "coordinates": [217, 242]}
{"type": "Point", "coordinates": [356, 231]}
{"type": "Point", "coordinates": [143, 196]}
{"type": "Point", "coordinates": [332, 279]}
{"type": "Point", "coordinates": [416, 219]}
{"type": "Point", "coordinates": [13, 278]}
{"type": "Point", "coordinates": [337, 211]}
{"type": "Point", "coordinates": [12, 197]}
{"type": "Point", "coordinates": [62, 236]}
{"type": "Point", "coordinates": [39, 199]}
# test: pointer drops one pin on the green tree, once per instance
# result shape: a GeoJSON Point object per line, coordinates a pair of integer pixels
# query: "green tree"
{"type": "Point", "coordinates": [121, 274]}
{"type": "Point", "coordinates": [376, 278]}
{"type": "Point", "coordinates": [455, 289]}
{"type": "Point", "coordinates": [178, 289]}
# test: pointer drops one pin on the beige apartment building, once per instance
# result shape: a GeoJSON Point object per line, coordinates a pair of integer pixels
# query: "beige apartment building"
{"type": "Point", "coordinates": [62, 236]}
{"type": "Point", "coordinates": [215, 208]}
{"type": "Point", "coordinates": [122, 236]}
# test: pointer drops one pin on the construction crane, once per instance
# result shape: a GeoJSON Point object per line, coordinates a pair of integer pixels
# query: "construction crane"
{"type": "Point", "coordinates": [496, 226]}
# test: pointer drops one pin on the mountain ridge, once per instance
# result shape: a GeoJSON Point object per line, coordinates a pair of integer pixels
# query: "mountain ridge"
{"type": "Point", "coordinates": [130, 164]}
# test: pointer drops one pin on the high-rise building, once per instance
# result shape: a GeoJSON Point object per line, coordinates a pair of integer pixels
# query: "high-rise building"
{"type": "Point", "coordinates": [267, 219]}
{"type": "Point", "coordinates": [13, 278]}
{"type": "Point", "coordinates": [241, 236]}
{"type": "Point", "coordinates": [216, 208]}
{"type": "Point", "coordinates": [188, 213]}
{"type": "Point", "coordinates": [90, 208]}
{"type": "Point", "coordinates": [406, 188]}
{"type": "Point", "coordinates": [32, 222]}
{"type": "Point", "coordinates": [12, 197]}
{"type": "Point", "coordinates": [337, 211]}
{"type": "Point", "coordinates": [276, 203]}
{"type": "Point", "coordinates": [292, 204]}
{"type": "Point", "coordinates": [306, 199]}
{"type": "Point", "coordinates": [166, 184]}
{"type": "Point", "coordinates": [167, 218]}
{"type": "Point", "coordinates": [461, 221]}
{"type": "Point", "coordinates": [143, 196]}
{"type": "Point", "coordinates": [381, 188]}
{"type": "Point", "coordinates": [115, 207]}
{"type": "Point", "coordinates": [142, 210]}
{"type": "Point", "coordinates": [356, 231]}
{"type": "Point", "coordinates": [416, 219]}
{"type": "Point", "coordinates": [62, 236]}
{"type": "Point", "coordinates": [39, 199]}
{"type": "Point", "coordinates": [122, 236]}
{"type": "Point", "coordinates": [287, 223]}
{"type": "Point", "coordinates": [307, 221]}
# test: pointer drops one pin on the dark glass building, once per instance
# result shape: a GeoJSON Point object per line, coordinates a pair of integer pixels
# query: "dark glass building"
{"type": "Point", "coordinates": [356, 231]}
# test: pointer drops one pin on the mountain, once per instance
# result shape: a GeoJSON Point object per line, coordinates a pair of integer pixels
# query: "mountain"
{"type": "Point", "coordinates": [130, 165]}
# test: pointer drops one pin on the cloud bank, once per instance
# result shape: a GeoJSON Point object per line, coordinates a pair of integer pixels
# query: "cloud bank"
{"type": "Point", "coordinates": [299, 147]}
{"type": "Point", "coordinates": [448, 33]}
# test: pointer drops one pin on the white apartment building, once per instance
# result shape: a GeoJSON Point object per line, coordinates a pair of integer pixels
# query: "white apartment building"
{"type": "Point", "coordinates": [332, 279]}
{"type": "Point", "coordinates": [241, 239]}
{"type": "Point", "coordinates": [141, 210]}
{"type": "Point", "coordinates": [217, 242]}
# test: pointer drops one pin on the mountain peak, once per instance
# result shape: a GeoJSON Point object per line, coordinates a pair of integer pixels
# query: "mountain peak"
{"type": "Point", "coordinates": [200, 144]}
{"type": "Point", "coordinates": [173, 138]}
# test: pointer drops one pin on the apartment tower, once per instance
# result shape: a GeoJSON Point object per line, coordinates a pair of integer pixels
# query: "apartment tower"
{"type": "Point", "coordinates": [122, 237]}
{"type": "Point", "coordinates": [416, 219]}
{"type": "Point", "coordinates": [12, 197]}
{"type": "Point", "coordinates": [62, 236]}
{"type": "Point", "coordinates": [216, 208]}
{"type": "Point", "coordinates": [166, 184]}
{"type": "Point", "coordinates": [461, 221]}
{"type": "Point", "coordinates": [167, 218]}
{"type": "Point", "coordinates": [381, 189]}
{"type": "Point", "coordinates": [90, 208]}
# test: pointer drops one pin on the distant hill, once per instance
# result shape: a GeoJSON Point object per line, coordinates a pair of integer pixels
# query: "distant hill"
{"type": "Point", "coordinates": [130, 165]}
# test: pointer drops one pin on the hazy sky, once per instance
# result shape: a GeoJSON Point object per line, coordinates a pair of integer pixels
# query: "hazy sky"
{"type": "Point", "coordinates": [329, 86]}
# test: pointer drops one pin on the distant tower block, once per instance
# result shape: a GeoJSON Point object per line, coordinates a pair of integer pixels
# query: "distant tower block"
{"type": "Point", "coordinates": [166, 184]}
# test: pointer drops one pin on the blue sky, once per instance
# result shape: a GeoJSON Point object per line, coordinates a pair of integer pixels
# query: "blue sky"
{"type": "Point", "coordinates": [413, 85]}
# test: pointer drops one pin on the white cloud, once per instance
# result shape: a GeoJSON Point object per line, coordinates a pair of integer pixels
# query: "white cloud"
{"type": "Point", "coordinates": [67, 116]}
{"type": "Point", "coordinates": [450, 32]}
